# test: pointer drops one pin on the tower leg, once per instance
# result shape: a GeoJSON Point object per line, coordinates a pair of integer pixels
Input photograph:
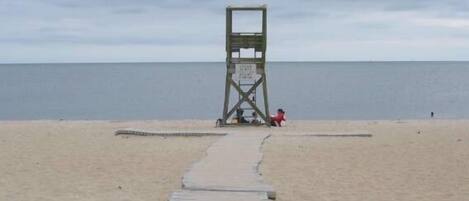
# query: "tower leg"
{"type": "Point", "coordinates": [227, 97]}
{"type": "Point", "coordinates": [266, 101]}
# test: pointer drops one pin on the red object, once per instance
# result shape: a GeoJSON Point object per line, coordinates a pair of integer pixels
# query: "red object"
{"type": "Point", "coordinates": [278, 118]}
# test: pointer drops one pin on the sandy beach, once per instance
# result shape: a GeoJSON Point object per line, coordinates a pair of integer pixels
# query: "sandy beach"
{"type": "Point", "coordinates": [397, 163]}
{"type": "Point", "coordinates": [84, 160]}
{"type": "Point", "coordinates": [52, 160]}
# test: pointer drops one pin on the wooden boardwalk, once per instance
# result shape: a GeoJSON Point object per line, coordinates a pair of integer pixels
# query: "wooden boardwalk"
{"type": "Point", "coordinates": [133, 131]}
{"type": "Point", "coordinates": [228, 172]}
{"type": "Point", "coordinates": [187, 195]}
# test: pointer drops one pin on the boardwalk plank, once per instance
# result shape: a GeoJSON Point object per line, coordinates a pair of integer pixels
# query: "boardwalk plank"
{"type": "Point", "coordinates": [230, 167]}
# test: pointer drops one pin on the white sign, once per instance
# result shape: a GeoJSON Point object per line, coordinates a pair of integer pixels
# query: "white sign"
{"type": "Point", "coordinates": [245, 71]}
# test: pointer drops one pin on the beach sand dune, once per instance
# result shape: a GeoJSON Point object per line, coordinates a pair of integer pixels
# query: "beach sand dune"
{"type": "Point", "coordinates": [53, 160]}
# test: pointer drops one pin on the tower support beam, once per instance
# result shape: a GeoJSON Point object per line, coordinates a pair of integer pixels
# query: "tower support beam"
{"type": "Point", "coordinates": [241, 67]}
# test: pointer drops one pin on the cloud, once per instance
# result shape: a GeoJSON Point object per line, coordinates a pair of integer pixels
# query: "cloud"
{"type": "Point", "coordinates": [128, 11]}
{"type": "Point", "coordinates": [381, 27]}
{"type": "Point", "coordinates": [442, 22]}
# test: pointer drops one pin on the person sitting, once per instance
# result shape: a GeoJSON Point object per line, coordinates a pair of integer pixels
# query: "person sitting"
{"type": "Point", "coordinates": [240, 117]}
{"type": "Point", "coordinates": [255, 120]}
{"type": "Point", "coordinates": [277, 119]}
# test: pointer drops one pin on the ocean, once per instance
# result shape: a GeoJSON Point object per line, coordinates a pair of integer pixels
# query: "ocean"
{"type": "Point", "coordinates": [195, 90]}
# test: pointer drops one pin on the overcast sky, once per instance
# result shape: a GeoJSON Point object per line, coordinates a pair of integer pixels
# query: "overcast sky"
{"type": "Point", "coordinates": [193, 30]}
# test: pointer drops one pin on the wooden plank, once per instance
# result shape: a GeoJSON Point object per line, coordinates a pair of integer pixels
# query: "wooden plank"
{"type": "Point", "coordinates": [332, 134]}
{"type": "Point", "coordinates": [247, 7]}
{"type": "Point", "coordinates": [186, 195]}
{"type": "Point", "coordinates": [132, 131]}
{"type": "Point", "coordinates": [235, 41]}
{"type": "Point", "coordinates": [266, 100]}
{"type": "Point", "coordinates": [233, 109]}
{"type": "Point", "coordinates": [226, 103]}
{"type": "Point", "coordinates": [231, 165]}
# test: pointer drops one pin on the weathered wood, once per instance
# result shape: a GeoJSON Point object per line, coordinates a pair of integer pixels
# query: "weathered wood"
{"type": "Point", "coordinates": [332, 134]}
{"type": "Point", "coordinates": [226, 115]}
{"type": "Point", "coordinates": [338, 135]}
{"type": "Point", "coordinates": [230, 171]}
{"type": "Point", "coordinates": [266, 99]}
{"type": "Point", "coordinates": [247, 7]}
{"type": "Point", "coordinates": [131, 131]}
{"type": "Point", "coordinates": [218, 196]}
{"type": "Point", "coordinates": [239, 40]}
{"type": "Point", "coordinates": [245, 98]}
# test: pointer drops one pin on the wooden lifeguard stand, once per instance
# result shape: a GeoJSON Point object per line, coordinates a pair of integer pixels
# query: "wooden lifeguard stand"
{"type": "Point", "coordinates": [245, 73]}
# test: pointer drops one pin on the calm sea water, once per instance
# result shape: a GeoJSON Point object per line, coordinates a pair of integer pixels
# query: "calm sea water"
{"type": "Point", "coordinates": [307, 90]}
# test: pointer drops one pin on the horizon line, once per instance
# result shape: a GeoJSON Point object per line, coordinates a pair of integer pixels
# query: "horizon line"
{"type": "Point", "coordinates": [276, 61]}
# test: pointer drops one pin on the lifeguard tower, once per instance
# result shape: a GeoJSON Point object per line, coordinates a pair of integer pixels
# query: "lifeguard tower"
{"type": "Point", "coordinates": [245, 72]}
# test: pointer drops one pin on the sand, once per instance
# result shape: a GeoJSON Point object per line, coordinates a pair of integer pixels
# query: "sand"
{"type": "Point", "coordinates": [396, 163]}
{"type": "Point", "coordinates": [77, 161]}
{"type": "Point", "coordinates": [83, 160]}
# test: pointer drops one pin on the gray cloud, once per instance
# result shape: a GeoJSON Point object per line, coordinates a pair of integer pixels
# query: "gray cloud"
{"type": "Point", "coordinates": [128, 11]}
{"type": "Point", "coordinates": [376, 27]}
